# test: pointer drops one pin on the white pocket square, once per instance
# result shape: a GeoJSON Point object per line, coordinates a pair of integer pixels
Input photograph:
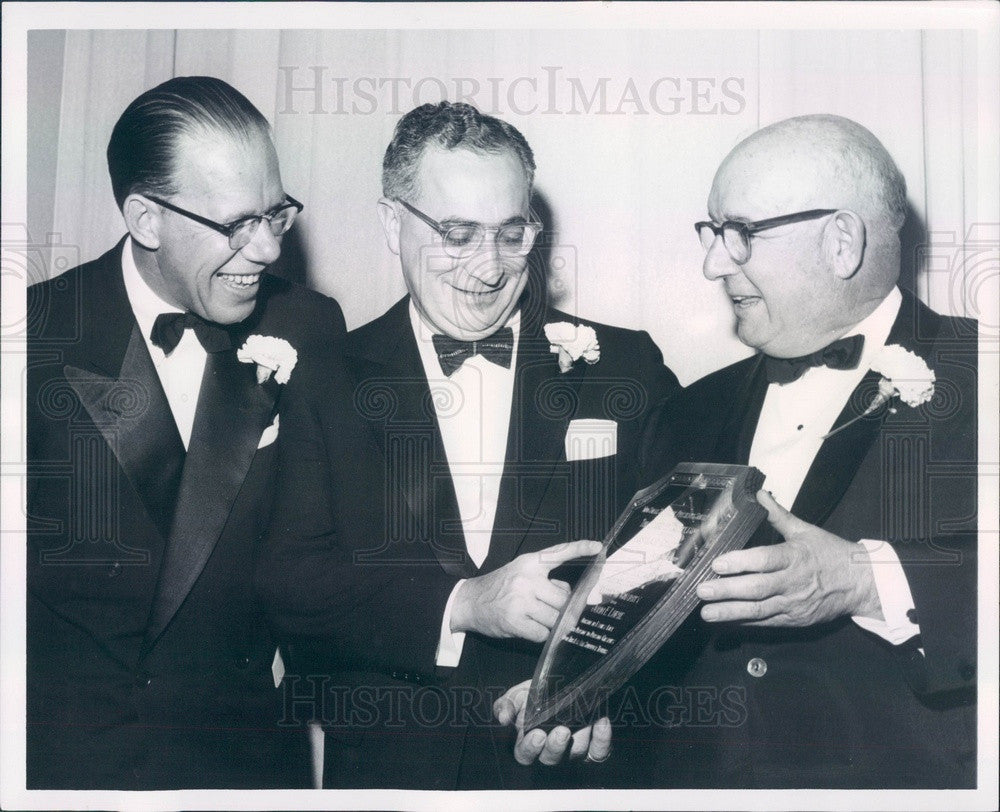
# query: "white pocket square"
{"type": "Point", "coordinates": [270, 434]}
{"type": "Point", "coordinates": [591, 439]}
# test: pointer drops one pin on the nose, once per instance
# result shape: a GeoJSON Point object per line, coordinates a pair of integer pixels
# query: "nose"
{"type": "Point", "coordinates": [263, 248]}
{"type": "Point", "coordinates": [718, 263]}
{"type": "Point", "coordinates": [487, 266]}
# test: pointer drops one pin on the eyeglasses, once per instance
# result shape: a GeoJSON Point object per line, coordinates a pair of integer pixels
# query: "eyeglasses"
{"type": "Point", "coordinates": [736, 234]}
{"type": "Point", "coordinates": [240, 232]}
{"type": "Point", "coordinates": [464, 239]}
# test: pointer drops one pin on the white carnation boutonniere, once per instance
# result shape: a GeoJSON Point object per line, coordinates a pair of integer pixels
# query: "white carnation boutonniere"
{"type": "Point", "coordinates": [904, 376]}
{"type": "Point", "coordinates": [273, 356]}
{"type": "Point", "coordinates": [571, 342]}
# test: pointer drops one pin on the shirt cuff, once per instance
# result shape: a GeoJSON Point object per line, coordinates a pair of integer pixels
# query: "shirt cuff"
{"type": "Point", "coordinates": [893, 593]}
{"type": "Point", "coordinates": [450, 644]}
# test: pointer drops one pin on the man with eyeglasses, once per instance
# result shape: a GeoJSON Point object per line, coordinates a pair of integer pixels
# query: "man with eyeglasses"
{"type": "Point", "coordinates": [497, 419]}
{"type": "Point", "coordinates": [151, 460]}
{"type": "Point", "coordinates": [838, 650]}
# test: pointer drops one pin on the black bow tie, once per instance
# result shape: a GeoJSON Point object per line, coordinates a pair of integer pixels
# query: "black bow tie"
{"type": "Point", "coordinates": [452, 353]}
{"type": "Point", "coordinates": [169, 328]}
{"type": "Point", "coordinates": [844, 353]}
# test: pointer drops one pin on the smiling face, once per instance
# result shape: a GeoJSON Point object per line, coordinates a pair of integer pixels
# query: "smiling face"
{"type": "Point", "coordinates": [222, 178]}
{"type": "Point", "coordinates": [467, 298]}
{"type": "Point", "coordinates": [786, 298]}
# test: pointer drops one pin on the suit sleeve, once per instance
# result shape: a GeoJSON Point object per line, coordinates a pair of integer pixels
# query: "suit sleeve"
{"type": "Point", "coordinates": [659, 381]}
{"type": "Point", "coordinates": [324, 578]}
{"type": "Point", "coordinates": [659, 385]}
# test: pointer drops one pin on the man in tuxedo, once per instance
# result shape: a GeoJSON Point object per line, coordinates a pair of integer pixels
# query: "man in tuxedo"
{"type": "Point", "coordinates": [496, 420]}
{"type": "Point", "coordinates": [844, 635]}
{"type": "Point", "coordinates": [151, 460]}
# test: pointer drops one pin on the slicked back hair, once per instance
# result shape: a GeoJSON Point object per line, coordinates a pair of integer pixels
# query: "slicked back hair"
{"type": "Point", "coordinates": [448, 125]}
{"type": "Point", "coordinates": [143, 145]}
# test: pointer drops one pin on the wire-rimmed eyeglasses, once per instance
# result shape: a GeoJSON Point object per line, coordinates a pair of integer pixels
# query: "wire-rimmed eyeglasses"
{"type": "Point", "coordinates": [464, 239]}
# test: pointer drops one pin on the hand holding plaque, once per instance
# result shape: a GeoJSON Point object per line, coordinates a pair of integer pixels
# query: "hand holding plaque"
{"type": "Point", "coordinates": [518, 599]}
{"type": "Point", "coordinates": [813, 576]}
{"type": "Point", "coordinates": [640, 587]}
{"type": "Point", "coordinates": [591, 743]}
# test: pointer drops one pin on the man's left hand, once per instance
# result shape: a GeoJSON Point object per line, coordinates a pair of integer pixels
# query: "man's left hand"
{"type": "Point", "coordinates": [592, 743]}
{"type": "Point", "coordinates": [812, 577]}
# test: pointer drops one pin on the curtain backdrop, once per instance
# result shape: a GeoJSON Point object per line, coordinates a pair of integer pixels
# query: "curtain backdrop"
{"type": "Point", "coordinates": [627, 127]}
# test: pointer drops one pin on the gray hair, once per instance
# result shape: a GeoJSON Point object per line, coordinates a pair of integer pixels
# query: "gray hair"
{"type": "Point", "coordinates": [449, 125]}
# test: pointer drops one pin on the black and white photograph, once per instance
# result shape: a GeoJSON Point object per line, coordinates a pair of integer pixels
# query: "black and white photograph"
{"type": "Point", "coordinates": [340, 341]}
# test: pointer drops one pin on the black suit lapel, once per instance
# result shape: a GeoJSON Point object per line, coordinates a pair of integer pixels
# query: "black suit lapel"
{"type": "Point", "coordinates": [736, 438]}
{"type": "Point", "coordinates": [233, 411]}
{"type": "Point", "coordinates": [391, 377]}
{"type": "Point", "coordinates": [115, 380]}
{"type": "Point", "coordinates": [543, 404]}
{"type": "Point", "coordinates": [839, 457]}
{"type": "Point", "coordinates": [835, 463]}
{"type": "Point", "coordinates": [131, 411]}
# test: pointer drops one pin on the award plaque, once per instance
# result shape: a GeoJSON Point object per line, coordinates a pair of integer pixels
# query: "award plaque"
{"type": "Point", "coordinates": [640, 587]}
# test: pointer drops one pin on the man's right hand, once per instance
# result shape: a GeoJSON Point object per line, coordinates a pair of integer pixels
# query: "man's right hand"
{"type": "Point", "coordinates": [518, 600]}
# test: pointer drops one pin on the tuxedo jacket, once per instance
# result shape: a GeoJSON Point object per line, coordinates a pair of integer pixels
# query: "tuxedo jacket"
{"type": "Point", "coordinates": [833, 705]}
{"type": "Point", "coordinates": [374, 615]}
{"type": "Point", "coordinates": [149, 664]}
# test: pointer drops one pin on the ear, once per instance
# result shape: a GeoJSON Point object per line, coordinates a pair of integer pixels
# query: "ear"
{"type": "Point", "coordinates": [845, 243]}
{"type": "Point", "coordinates": [388, 213]}
{"type": "Point", "coordinates": [143, 221]}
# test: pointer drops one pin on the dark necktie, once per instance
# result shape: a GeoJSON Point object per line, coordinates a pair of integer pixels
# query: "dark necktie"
{"type": "Point", "coordinates": [169, 328]}
{"type": "Point", "coordinates": [452, 353]}
{"type": "Point", "coordinates": [844, 353]}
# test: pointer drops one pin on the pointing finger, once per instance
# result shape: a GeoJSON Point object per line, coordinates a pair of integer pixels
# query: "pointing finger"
{"type": "Point", "coordinates": [552, 557]}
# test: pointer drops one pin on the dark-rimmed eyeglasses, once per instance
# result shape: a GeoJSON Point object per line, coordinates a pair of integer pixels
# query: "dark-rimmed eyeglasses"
{"type": "Point", "coordinates": [240, 232]}
{"type": "Point", "coordinates": [464, 239]}
{"type": "Point", "coordinates": [736, 234]}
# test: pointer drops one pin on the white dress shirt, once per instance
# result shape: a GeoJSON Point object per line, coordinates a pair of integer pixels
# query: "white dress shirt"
{"type": "Point", "coordinates": [180, 372]}
{"type": "Point", "coordinates": [473, 412]}
{"type": "Point", "coordinates": [793, 420]}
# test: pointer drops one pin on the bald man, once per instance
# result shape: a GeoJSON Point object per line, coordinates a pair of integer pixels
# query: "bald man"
{"type": "Point", "coordinates": [837, 650]}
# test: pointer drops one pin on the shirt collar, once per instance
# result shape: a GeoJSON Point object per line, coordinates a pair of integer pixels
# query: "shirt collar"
{"type": "Point", "coordinates": [876, 326]}
{"type": "Point", "coordinates": [145, 302]}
